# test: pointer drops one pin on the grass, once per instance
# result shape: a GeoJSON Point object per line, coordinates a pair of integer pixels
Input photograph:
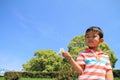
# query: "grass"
{"type": "Point", "coordinates": [117, 79]}
{"type": "Point", "coordinates": [1, 78]}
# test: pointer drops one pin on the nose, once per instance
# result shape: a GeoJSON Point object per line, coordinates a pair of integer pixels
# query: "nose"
{"type": "Point", "coordinates": [90, 38]}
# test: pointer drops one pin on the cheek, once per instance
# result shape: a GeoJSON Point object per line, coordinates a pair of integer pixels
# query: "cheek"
{"type": "Point", "coordinates": [96, 42]}
{"type": "Point", "coordinates": [97, 39]}
{"type": "Point", "coordinates": [86, 41]}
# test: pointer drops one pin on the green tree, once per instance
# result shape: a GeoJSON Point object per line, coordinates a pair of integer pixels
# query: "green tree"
{"type": "Point", "coordinates": [77, 44]}
{"type": "Point", "coordinates": [44, 61]}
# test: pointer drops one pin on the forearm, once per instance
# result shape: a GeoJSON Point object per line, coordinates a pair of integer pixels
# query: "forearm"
{"type": "Point", "coordinates": [76, 66]}
{"type": "Point", "coordinates": [109, 75]}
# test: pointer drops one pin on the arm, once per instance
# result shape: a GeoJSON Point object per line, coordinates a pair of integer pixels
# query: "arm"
{"type": "Point", "coordinates": [109, 75]}
{"type": "Point", "coordinates": [76, 66]}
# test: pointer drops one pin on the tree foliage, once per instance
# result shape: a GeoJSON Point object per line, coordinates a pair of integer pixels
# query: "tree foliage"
{"type": "Point", "coordinates": [49, 60]}
{"type": "Point", "coordinates": [44, 61]}
{"type": "Point", "coordinates": [77, 44]}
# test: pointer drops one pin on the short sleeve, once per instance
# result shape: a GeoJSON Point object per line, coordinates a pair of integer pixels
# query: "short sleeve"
{"type": "Point", "coordinates": [108, 65]}
{"type": "Point", "coordinates": [80, 59]}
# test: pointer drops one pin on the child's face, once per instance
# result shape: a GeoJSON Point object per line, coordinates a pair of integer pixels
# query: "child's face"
{"type": "Point", "coordinates": [92, 39]}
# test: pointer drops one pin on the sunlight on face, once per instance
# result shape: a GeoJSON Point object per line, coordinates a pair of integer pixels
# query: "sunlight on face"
{"type": "Point", "coordinates": [92, 39]}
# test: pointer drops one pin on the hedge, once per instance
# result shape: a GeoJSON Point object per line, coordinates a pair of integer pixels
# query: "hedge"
{"type": "Point", "coordinates": [116, 73]}
{"type": "Point", "coordinates": [17, 75]}
{"type": "Point", "coordinates": [59, 75]}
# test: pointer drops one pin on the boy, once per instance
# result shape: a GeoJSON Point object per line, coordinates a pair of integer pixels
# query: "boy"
{"type": "Point", "coordinates": [92, 64]}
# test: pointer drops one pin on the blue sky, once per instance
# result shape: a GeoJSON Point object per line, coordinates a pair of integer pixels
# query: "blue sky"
{"type": "Point", "coordinates": [30, 25]}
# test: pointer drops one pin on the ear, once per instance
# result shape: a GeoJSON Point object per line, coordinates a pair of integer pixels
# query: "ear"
{"type": "Point", "coordinates": [101, 40]}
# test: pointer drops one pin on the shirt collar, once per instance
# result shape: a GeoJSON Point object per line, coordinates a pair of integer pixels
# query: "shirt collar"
{"type": "Point", "coordinates": [87, 50]}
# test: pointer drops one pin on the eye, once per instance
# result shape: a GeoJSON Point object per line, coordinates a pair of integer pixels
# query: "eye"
{"type": "Point", "coordinates": [94, 36]}
{"type": "Point", "coordinates": [87, 36]}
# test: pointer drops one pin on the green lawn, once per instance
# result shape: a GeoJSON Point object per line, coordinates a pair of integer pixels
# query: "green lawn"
{"type": "Point", "coordinates": [1, 78]}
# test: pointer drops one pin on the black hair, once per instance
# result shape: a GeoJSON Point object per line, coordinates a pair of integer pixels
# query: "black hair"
{"type": "Point", "coordinates": [95, 28]}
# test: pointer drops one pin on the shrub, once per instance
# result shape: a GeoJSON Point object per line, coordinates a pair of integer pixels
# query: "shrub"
{"type": "Point", "coordinates": [116, 73]}
{"type": "Point", "coordinates": [17, 75]}
{"type": "Point", "coordinates": [12, 75]}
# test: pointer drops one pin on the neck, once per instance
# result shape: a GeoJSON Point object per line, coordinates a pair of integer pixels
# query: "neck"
{"type": "Point", "coordinates": [93, 48]}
